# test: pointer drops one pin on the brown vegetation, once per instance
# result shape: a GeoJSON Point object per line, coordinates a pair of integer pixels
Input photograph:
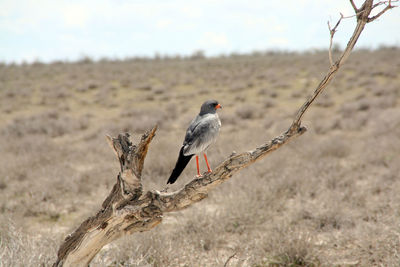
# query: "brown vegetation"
{"type": "Point", "coordinates": [333, 203]}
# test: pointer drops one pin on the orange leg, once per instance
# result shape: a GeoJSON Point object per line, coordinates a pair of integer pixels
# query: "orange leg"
{"type": "Point", "coordinates": [198, 169]}
{"type": "Point", "coordinates": [208, 165]}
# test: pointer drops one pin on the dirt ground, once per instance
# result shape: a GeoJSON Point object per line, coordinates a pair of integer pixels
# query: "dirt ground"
{"type": "Point", "coordinates": [330, 198]}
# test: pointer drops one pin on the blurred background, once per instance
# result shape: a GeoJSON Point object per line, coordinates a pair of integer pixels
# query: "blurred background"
{"type": "Point", "coordinates": [73, 71]}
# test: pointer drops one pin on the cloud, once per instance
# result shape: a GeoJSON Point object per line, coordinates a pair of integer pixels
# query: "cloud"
{"type": "Point", "coordinates": [214, 41]}
{"type": "Point", "coordinates": [163, 23]}
{"type": "Point", "coordinates": [278, 42]}
{"type": "Point", "coordinates": [192, 11]}
{"type": "Point", "coordinates": [75, 15]}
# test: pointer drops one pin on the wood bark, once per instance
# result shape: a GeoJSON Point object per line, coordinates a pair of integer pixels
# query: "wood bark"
{"type": "Point", "coordinates": [127, 209]}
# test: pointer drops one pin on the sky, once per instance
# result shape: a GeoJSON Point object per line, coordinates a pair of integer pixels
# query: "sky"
{"type": "Point", "coordinates": [49, 30]}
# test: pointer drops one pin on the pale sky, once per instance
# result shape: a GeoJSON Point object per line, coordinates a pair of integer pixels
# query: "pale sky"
{"type": "Point", "coordinates": [49, 30]}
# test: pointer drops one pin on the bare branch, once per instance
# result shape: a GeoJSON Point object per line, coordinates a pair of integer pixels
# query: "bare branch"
{"type": "Point", "coordinates": [384, 3]}
{"type": "Point", "coordinates": [230, 257]}
{"type": "Point", "coordinates": [332, 32]}
{"type": "Point", "coordinates": [358, 13]}
{"type": "Point", "coordinates": [388, 7]}
{"type": "Point", "coordinates": [330, 44]}
{"type": "Point", "coordinates": [362, 19]}
{"type": "Point", "coordinates": [354, 6]}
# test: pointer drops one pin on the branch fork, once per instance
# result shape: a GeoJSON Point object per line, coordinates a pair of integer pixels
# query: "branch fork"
{"type": "Point", "coordinates": [363, 17]}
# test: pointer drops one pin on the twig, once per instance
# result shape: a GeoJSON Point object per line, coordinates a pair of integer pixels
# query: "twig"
{"type": "Point", "coordinates": [354, 6]}
{"type": "Point", "coordinates": [384, 3]}
{"type": "Point", "coordinates": [333, 30]}
{"type": "Point", "coordinates": [332, 33]}
{"type": "Point", "coordinates": [389, 6]}
{"type": "Point", "coordinates": [230, 257]}
{"type": "Point", "coordinates": [362, 19]}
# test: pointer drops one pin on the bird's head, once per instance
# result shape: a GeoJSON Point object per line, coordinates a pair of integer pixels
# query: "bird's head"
{"type": "Point", "coordinates": [210, 106]}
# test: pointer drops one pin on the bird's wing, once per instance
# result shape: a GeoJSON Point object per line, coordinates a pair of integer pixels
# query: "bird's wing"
{"type": "Point", "coordinates": [202, 132]}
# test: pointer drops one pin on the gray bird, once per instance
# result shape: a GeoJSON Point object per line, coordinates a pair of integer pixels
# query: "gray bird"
{"type": "Point", "coordinates": [202, 132]}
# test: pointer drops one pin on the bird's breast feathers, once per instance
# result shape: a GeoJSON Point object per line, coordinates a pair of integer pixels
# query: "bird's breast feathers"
{"type": "Point", "coordinates": [202, 132]}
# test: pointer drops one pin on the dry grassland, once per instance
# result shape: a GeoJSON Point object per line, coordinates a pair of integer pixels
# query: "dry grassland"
{"type": "Point", "coordinates": [330, 198]}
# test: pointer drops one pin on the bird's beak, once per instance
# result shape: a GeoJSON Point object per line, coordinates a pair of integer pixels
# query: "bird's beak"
{"type": "Point", "coordinates": [218, 106]}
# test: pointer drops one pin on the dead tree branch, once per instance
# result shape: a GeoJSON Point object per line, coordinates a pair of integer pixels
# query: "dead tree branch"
{"type": "Point", "coordinates": [388, 6]}
{"type": "Point", "coordinates": [127, 209]}
{"type": "Point", "coordinates": [332, 32]}
{"type": "Point", "coordinates": [354, 6]}
{"type": "Point", "coordinates": [363, 18]}
{"type": "Point", "coordinates": [230, 257]}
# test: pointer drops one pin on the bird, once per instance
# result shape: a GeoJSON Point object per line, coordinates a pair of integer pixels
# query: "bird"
{"type": "Point", "coordinates": [201, 133]}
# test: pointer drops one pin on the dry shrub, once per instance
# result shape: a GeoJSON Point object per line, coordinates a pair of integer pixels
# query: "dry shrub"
{"type": "Point", "coordinates": [246, 112]}
{"type": "Point", "coordinates": [268, 92]}
{"type": "Point", "coordinates": [238, 87]}
{"type": "Point", "coordinates": [289, 248]}
{"type": "Point", "coordinates": [390, 89]}
{"type": "Point", "coordinates": [240, 98]}
{"type": "Point", "coordinates": [381, 250]}
{"type": "Point", "coordinates": [105, 97]}
{"type": "Point", "coordinates": [204, 91]}
{"type": "Point", "coordinates": [325, 101]}
{"type": "Point", "coordinates": [334, 147]}
{"type": "Point", "coordinates": [144, 87]}
{"type": "Point", "coordinates": [281, 84]}
{"type": "Point", "coordinates": [140, 119]}
{"type": "Point", "coordinates": [384, 102]}
{"type": "Point", "coordinates": [268, 103]}
{"type": "Point", "coordinates": [354, 123]}
{"type": "Point", "coordinates": [3, 185]}
{"type": "Point", "coordinates": [354, 115]}
{"type": "Point", "coordinates": [348, 109]}
{"type": "Point", "coordinates": [125, 83]}
{"type": "Point", "coordinates": [8, 107]}
{"type": "Point", "coordinates": [229, 119]}
{"type": "Point", "coordinates": [50, 123]}
{"type": "Point", "coordinates": [159, 89]}
{"type": "Point", "coordinates": [386, 122]}
{"type": "Point", "coordinates": [366, 82]}
{"type": "Point", "coordinates": [20, 249]}
{"type": "Point", "coordinates": [172, 110]}
{"type": "Point", "coordinates": [297, 94]}
{"type": "Point", "coordinates": [326, 124]}
{"type": "Point", "coordinates": [92, 85]}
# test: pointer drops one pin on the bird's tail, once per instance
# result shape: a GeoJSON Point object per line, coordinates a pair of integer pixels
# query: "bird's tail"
{"type": "Point", "coordinates": [179, 166]}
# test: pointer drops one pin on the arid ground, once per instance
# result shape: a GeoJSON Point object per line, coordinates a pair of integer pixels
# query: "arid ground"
{"type": "Point", "coordinates": [330, 198]}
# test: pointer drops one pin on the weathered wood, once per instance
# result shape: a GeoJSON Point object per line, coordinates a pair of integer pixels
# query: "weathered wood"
{"type": "Point", "coordinates": [127, 210]}
{"type": "Point", "coordinates": [119, 209]}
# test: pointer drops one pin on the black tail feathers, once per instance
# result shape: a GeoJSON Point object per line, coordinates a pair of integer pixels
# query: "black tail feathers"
{"type": "Point", "coordinates": [179, 167]}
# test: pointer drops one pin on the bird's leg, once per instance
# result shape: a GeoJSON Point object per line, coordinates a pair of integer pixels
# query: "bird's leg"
{"type": "Point", "coordinates": [208, 165]}
{"type": "Point", "coordinates": [198, 169]}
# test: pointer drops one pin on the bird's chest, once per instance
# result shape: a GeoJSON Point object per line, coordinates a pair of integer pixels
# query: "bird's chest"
{"type": "Point", "coordinates": [215, 126]}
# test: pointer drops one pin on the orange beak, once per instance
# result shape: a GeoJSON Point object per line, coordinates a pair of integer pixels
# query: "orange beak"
{"type": "Point", "coordinates": [218, 106]}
